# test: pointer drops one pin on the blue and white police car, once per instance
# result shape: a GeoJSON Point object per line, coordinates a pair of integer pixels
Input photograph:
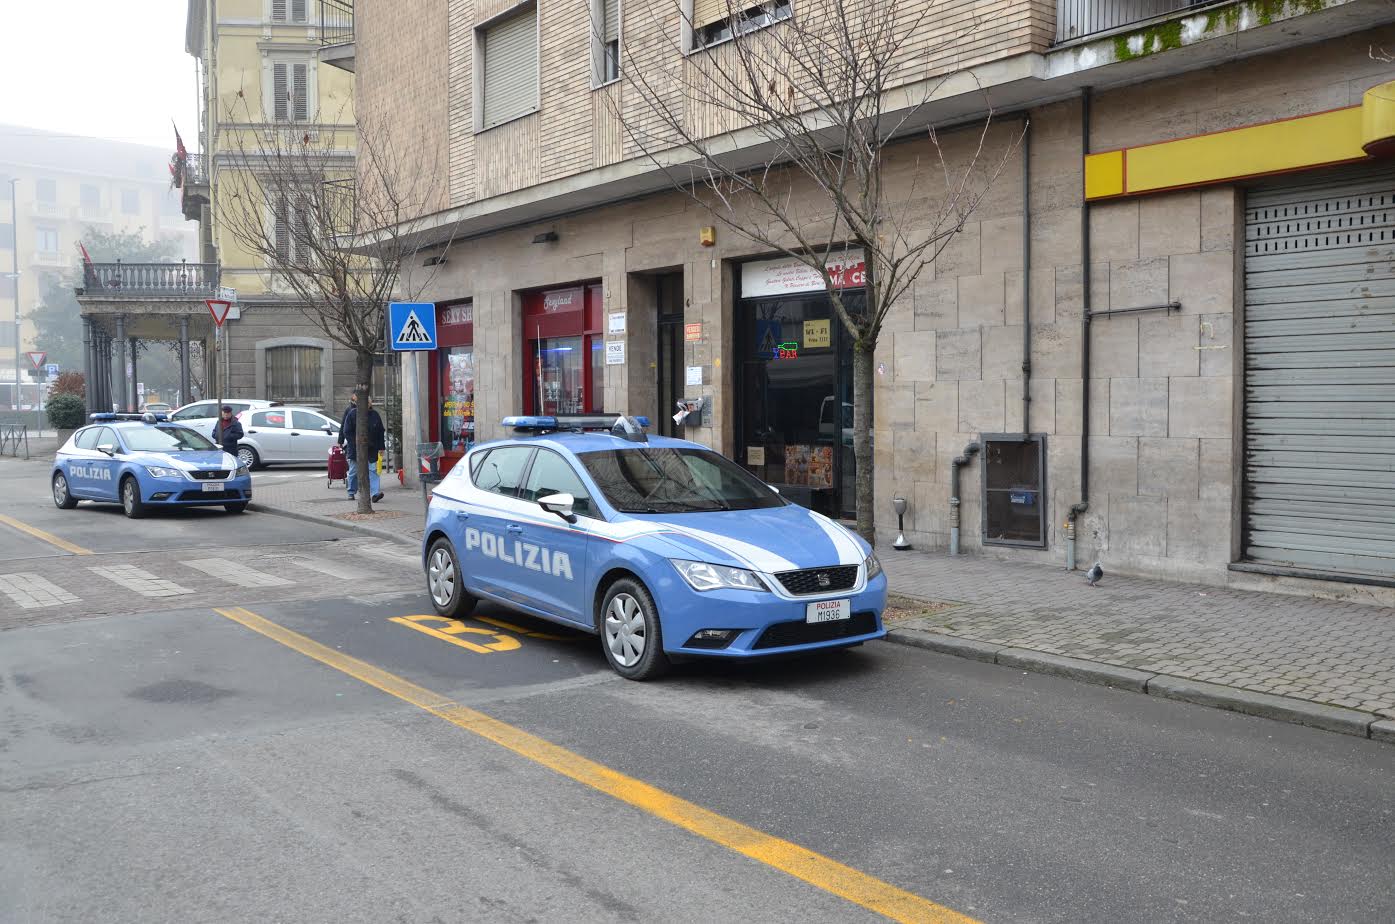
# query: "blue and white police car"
{"type": "Point", "coordinates": [664, 548]}
{"type": "Point", "coordinates": [143, 462]}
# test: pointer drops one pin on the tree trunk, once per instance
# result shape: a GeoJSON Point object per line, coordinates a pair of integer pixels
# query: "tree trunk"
{"type": "Point", "coordinates": [363, 377]}
{"type": "Point", "coordinates": [863, 355]}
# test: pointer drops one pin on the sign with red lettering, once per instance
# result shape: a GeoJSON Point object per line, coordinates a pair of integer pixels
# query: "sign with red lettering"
{"type": "Point", "coordinates": [848, 270]}
{"type": "Point", "coordinates": [564, 300]}
{"type": "Point", "coordinates": [692, 333]}
{"type": "Point", "coordinates": [458, 314]}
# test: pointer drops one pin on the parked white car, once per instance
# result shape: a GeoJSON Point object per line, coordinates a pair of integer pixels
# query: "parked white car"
{"type": "Point", "coordinates": [285, 434]}
{"type": "Point", "coordinates": [203, 415]}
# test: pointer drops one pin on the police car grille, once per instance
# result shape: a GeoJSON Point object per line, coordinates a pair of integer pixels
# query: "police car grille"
{"type": "Point", "coordinates": [215, 475]}
{"type": "Point", "coordinates": [782, 634]}
{"type": "Point", "coordinates": [210, 495]}
{"type": "Point", "coordinates": [840, 577]}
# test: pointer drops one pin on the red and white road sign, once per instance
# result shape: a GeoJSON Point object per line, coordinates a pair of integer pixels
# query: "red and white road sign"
{"type": "Point", "coordinates": [219, 308]}
{"type": "Point", "coordinates": [37, 358]}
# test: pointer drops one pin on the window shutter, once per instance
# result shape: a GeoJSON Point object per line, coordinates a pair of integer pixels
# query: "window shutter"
{"type": "Point", "coordinates": [282, 228]}
{"type": "Point", "coordinates": [511, 68]}
{"type": "Point", "coordinates": [611, 30]}
{"type": "Point", "coordinates": [280, 92]}
{"type": "Point", "coordinates": [706, 12]}
{"type": "Point", "coordinates": [278, 10]}
{"type": "Point", "coordinates": [297, 10]}
{"type": "Point", "coordinates": [300, 91]}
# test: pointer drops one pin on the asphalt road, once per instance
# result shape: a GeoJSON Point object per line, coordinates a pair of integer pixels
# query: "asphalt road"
{"type": "Point", "coordinates": [317, 751]}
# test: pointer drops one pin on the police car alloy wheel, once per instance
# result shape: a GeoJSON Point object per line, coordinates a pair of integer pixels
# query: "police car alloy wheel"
{"type": "Point", "coordinates": [247, 457]}
{"type": "Point", "coordinates": [630, 633]}
{"type": "Point", "coordinates": [444, 581]}
{"type": "Point", "coordinates": [61, 497]}
{"type": "Point", "coordinates": [130, 498]}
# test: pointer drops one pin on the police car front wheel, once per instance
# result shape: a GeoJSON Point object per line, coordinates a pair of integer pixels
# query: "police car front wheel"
{"type": "Point", "coordinates": [61, 496]}
{"type": "Point", "coordinates": [444, 581]}
{"type": "Point", "coordinates": [630, 633]}
{"type": "Point", "coordinates": [130, 498]}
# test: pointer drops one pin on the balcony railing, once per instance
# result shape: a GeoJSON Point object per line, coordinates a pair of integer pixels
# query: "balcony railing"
{"type": "Point", "coordinates": [1080, 18]}
{"type": "Point", "coordinates": [169, 279]}
{"type": "Point", "coordinates": [189, 170]}
{"type": "Point", "coordinates": [336, 22]}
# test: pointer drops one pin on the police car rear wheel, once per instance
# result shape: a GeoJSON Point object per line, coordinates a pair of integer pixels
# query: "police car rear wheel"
{"type": "Point", "coordinates": [443, 581]}
{"type": "Point", "coordinates": [130, 499]}
{"type": "Point", "coordinates": [61, 497]}
{"type": "Point", "coordinates": [630, 633]}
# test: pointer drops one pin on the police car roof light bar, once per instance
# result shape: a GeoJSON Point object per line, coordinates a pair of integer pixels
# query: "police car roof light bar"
{"type": "Point", "coordinates": [628, 427]}
{"type": "Point", "coordinates": [145, 417]}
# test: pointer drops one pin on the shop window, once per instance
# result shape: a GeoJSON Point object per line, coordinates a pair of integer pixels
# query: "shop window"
{"type": "Point", "coordinates": [508, 73]}
{"type": "Point", "coordinates": [293, 374]}
{"type": "Point", "coordinates": [1014, 490]}
{"type": "Point", "coordinates": [605, 40]}
{"type": "Point", "coordinates": [565, 349]}
{"type": "Point", "coordinates": [457, 386]}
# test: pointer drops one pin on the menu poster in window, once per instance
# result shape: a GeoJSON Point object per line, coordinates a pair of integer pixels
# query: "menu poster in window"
{"type": "Point", "coordinates": [817, 334]}
{"type": "Point", "coordinates": [755, 455]}
{"type": "Point", "coordinates": [810, 466]}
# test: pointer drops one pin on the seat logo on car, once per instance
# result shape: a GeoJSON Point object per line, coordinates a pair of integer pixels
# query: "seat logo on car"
{"type": "Point", "coordinates": [824, 580]}
{"type": "Point", "coordinates": [523, 554]}
{"type": "Point", "coordinates": [95, 472]}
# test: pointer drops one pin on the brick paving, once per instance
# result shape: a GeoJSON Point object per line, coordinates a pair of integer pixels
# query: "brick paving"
{"type": "Point", "coordinates": [1325, 651]}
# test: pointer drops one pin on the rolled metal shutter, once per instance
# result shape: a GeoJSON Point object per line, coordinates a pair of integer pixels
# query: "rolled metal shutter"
{"type": "Point", "coordinates": [611, 31]}
{"type": "Point", "coordinates": [511, 68]}
{"type": "Point", "coordinates": [1320, 373]}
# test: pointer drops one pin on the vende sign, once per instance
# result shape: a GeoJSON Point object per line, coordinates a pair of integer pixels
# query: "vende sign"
{"type": "Point", "coordinates": [788, 276]}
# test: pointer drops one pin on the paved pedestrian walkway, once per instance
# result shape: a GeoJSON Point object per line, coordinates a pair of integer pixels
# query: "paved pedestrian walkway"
{"type": "Point", "coordinates": [1308, 651]}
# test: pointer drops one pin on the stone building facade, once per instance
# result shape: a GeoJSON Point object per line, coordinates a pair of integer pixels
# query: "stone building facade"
{"type": "Point", "coordinates": [1178, 470]}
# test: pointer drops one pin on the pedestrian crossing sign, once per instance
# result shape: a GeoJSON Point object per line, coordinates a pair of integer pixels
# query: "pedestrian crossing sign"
{"type": "Point", "coordinates": [413, 325]}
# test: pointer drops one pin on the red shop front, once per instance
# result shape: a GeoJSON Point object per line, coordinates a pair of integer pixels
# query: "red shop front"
{"type": "Point", "coordinates": [453, 381]}
{"type": "Point", "coordinates": [565, 350]}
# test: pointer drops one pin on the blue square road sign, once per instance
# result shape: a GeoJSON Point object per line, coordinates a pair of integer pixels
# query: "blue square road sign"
{"type": "Point", "coordinates": [412, 325]}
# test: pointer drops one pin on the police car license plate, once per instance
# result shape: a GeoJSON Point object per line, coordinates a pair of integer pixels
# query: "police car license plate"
{"type": "Point", "coordinates": [212, 487]}
{"type": "Point", "coordinates": [828, 611]}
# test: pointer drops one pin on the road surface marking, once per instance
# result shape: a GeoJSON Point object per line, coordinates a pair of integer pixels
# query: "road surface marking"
{"type": "Point", "coordinates": [142, 582]}
{"type": "Point", "coordinates": [342, 571]}
{"type": "Point", "coordinates": [800, 862]}
{"type": "Point", "coordinates": [231, 571]}
{"type": "Point", "coordinates": [520, 630]}
{"type": "Point", "coordinates": [394, 553]}
{"type": "Point", "coordinates": [50, 538]}
{"type": "Point", "coordinates": [450, 630]}
{"type": "Point", "coordinates": [32, 591]}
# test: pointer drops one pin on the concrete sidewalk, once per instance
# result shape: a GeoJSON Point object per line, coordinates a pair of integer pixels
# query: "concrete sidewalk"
{"type": "Point", "coordinates": [1325, 663]}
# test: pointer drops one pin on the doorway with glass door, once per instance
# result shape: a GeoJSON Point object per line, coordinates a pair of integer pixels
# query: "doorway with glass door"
{"type": "Point", "coordinates": [668, 301]}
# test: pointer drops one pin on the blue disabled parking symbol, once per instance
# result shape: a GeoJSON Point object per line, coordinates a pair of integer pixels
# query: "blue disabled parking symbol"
{"type": "Point", "coordinates": [413, 325]}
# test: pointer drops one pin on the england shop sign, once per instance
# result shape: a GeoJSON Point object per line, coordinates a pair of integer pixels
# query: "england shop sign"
{"type": "Point", "coordinates": [788, 276]}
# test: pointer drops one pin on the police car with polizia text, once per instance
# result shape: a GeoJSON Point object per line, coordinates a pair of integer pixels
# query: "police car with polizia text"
{"type": "Point", "coordinates": [662, 547]}
{"type": "Point", "coordinates": [144, 462]}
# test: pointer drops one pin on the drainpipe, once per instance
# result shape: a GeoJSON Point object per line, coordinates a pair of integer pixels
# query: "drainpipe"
{"type": "Point", "coordinates": [959, 462]}
{"type": "Point", "coordinates": [1084, 503]}
{"type": "Point", "coordinates": [1026, 275]}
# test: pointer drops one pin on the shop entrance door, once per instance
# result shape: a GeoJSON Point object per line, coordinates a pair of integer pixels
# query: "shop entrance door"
{"type": "Point", "coordinates": [670, 351]}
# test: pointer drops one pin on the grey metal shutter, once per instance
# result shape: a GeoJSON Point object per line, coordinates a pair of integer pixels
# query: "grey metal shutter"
{"type": "Point", "coordinates": [278, 10]}
{"type": "Point", "coordinates": [298, 10]}
{"type": "Point", "coordinates": [511, 68]}
{"type": "Point", "coordinates": [611, 30]}
{"type": "Point", "coordinates": [1320, 373]}
{"type": "Point", "coordinates": [300, 91]}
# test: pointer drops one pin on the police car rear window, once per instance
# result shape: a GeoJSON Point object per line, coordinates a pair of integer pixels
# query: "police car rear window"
{"type": "Point", "coordinates": [659, 480]}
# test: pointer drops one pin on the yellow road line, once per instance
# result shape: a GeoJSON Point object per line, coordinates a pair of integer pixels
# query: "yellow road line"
{"type": "Point", "coordinates": [800, 862]}
{"type": "Point", "coordinates": [50, 538]}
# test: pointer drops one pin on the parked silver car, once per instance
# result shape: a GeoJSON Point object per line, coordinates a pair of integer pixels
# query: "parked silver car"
{"type": "Point", "coordinates": [285, 434]}
{"type": "Point", "coordinates": [202, 415]}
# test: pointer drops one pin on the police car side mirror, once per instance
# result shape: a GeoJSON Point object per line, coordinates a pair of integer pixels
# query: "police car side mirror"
{"type": "Point", "coordinates": [560, 504]}
{"type": "Point", "coordinates": [773, 488]}
{"type": "Point", "coordinates": [107, 448]}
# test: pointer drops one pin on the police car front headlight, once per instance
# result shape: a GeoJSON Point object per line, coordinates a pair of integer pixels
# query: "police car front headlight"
{"type": "Point", "coordinates": [158, 471]}
{"type": "Point", "coordinates": [243, 470]}
{"type": "Point", "coordinates": [872, 564]}
{"type": "Point", "coordinates": [702, 576]}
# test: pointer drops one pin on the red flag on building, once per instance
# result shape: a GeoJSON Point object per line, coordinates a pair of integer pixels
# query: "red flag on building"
{"type": "Point", "coordinates": [179, 148]}
{"type": "Point", "coordinates": [85, 258]}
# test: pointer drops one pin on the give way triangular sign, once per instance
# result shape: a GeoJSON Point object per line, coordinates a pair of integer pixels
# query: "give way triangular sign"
{"type": "Point", "coordinates": [219, 308]}
{"type": "Point", "coordinates": [36, 358]}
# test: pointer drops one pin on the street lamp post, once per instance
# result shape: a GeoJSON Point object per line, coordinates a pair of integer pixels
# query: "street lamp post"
{"type": "Point", "coordinates": [14, 274]}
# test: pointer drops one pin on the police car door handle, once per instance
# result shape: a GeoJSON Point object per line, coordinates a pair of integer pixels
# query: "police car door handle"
{"type": "Point", "coordinates": [514, 528]}
{"type": "Point", "coordinates": [462, 515]}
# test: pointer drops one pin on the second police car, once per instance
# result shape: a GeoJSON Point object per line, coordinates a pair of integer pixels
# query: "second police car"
{"type": "Point", "coordinates": [143, 462]}
{"type": "Point", "coordinates": [662, 547]}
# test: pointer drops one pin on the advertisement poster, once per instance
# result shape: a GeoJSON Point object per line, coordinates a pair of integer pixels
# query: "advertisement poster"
{"type": "Point", "coordinates": [809, 466]}
{"type": "Point", "coordinates": [817, 334]}
{"type": "Point", "coordinates": [458, 400]}
{"type": "Point", "coordinates": [787, 275]}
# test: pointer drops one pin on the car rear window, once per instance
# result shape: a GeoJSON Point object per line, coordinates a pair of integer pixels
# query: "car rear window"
{"type": "Point", "coordinates": [269, 419]}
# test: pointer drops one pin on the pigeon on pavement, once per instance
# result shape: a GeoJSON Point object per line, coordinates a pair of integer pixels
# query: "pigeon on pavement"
{"type": "Point", "coordinates": [1094, 574]}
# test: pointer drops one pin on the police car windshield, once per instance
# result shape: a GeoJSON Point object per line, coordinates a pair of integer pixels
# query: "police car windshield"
{"type": "Point", "coordinates": [655, 480]}
{"type": "Point", "coordinates": [165, 439]}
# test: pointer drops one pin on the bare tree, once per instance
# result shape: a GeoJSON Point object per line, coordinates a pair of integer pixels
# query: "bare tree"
{"type": "Point", "coordinates": [821, 98]}
{"type": "Point", "coordinates": [339, 235]}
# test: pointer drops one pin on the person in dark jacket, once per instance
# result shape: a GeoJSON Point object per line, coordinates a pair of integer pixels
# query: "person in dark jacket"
{"type": "Point", "coordinates": [344, 421]}
{"type": "Point", "coordinates": [377, 443]}
{"type": "Point", "coordinates": [227, 431]}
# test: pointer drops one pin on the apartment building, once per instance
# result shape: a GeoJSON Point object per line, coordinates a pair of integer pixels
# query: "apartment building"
{"type": "Point", "coordinates": [65, 187]}
{"type": "Point", "coordinates": [1193, 235]}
